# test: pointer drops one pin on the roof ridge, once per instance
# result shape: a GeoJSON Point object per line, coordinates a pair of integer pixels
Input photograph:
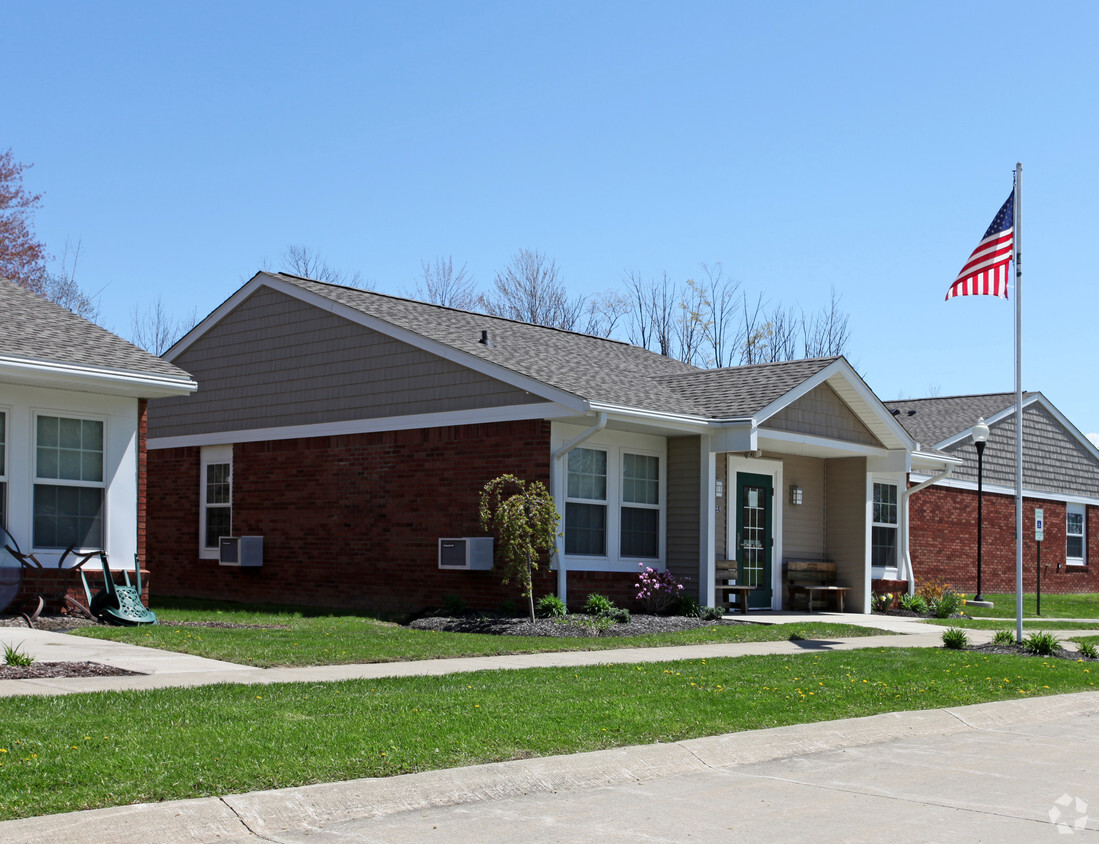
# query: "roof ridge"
{"type": "Point", "coordinates": [512, 320]}
{"type": "Point", "coordinates": [962, 396]}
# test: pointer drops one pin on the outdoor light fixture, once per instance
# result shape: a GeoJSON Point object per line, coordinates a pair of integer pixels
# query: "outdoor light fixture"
{"type": "Point", "coordinates": [795, 494]}
{"type": "Point", "coordinates": [980, 437]}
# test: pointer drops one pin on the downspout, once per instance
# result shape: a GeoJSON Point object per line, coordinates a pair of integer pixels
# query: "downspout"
{"type": "Point", "coordinates": [557, 454]}
{"type": "Point", "coordinates": [910, 575]}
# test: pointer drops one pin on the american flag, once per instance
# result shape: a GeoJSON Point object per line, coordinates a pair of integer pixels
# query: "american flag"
{"type": "Point", "coordinates": [985, 273]}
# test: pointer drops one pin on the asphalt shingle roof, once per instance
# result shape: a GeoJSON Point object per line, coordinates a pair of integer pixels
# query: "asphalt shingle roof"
{"type": "Point", "coordinates": [37, 329]}
{"type": "Point", "coordinates": [933, 420]}
{"type": "Point", "coordinates": [593, 368]}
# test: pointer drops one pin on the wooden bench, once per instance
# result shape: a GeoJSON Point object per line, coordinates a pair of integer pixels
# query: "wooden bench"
{"type": "Point", "coordinates": [815, 579]}
{"type": "Point", "coordinates": [725, 587]}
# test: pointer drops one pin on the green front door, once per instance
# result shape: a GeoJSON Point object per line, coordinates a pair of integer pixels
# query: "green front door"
{"type": "Point", "coordinates": [754, 545]}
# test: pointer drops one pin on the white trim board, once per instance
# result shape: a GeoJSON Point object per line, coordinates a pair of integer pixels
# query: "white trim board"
{"type": "Point", "coordinates": [1040, 494]}
{"type": "Point", "coordinates": [478, 416]}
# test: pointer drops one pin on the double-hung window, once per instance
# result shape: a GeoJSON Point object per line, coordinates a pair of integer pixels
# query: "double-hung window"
{"type": "Point", "coordinates": [1074, 534]}
{"type": "Point", "coordinates": [613, 504]}
{"type": "Point", "coordinates": [68, 482]}
{"type": "Point", "coordinates": [883, 541]}
{"type": "Point", "coordinates": [586, 503]}
{"type": "Point", "coordinates": [216, 497]}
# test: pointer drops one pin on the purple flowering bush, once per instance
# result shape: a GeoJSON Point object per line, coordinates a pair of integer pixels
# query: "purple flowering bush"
{"type": "Point", "coordinates": [657, 589]}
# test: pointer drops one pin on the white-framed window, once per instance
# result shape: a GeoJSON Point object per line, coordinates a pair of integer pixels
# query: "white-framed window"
{"type": "Point", "coordinates": [883, 531]}
{"type": "Point", "coordinates": [614, 504]}
{"type": "Point", "coordinates": [215, 498]}
{"type": "Point", "coordinates": [68, 482]}
{"type": "Point", "coordinates": [1075, 534]}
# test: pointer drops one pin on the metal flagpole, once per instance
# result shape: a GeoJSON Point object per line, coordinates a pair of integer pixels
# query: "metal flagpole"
{"type": "Point", "coordinates": [1018, 239]}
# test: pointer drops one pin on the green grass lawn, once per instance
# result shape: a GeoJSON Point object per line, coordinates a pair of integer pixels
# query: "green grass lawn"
{"type": "Point", "coordinates": [296, 638]}
{"type": "Point", "coordinates": [1029, 624]}
{"type": "Point", "coordinates": [1080, 605]}
{"type": "Point", "coordinates": [90, 750]}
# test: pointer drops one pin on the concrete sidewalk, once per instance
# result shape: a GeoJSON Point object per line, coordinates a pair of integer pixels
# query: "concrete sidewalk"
{"type": "Point", "coordinates": [162, 669]}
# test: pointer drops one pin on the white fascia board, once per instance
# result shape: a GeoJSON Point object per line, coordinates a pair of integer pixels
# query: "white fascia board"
{"type": "Point", "coordinates": [92, 379]}
{"type": "Point", "coordinates": [492, 370]}
{"type": "Point", "coordinates": [1040, 494]}
{"type": "Point", "coordinates": [934, 463]}
{"type": "Point", "coordinates": [477, 416]}
{"type": "Point", "coordinates": [685, 420]}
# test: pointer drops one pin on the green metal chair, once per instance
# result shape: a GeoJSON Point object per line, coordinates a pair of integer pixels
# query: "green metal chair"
{"type": "Point", "coordinates": [116, 604]}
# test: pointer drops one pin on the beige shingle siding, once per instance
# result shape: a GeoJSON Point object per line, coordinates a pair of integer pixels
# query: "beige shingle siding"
{"type": "Point", "coordinates": [824, 414]}
{"type": "Point", "coordinates": [1053, 460]}
{"type": "Point", "coordinates": [803, 525]}
{"type": "Point", "coordinates": [274, 361]}
{"type": "Point", "coordinates": [684, 511]}
{"type": "Point", "coordinates": [845, 542]}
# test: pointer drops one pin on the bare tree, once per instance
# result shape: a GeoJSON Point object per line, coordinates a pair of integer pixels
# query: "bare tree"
{"type": "Point", "coordinates": [826, 333]}
{"type": "Point", "coordinates": [720, 293]}
{"type": "Point", "coordinates": [530, 289]}
{"type": "Point", "coordinates": [443, 286]}
{"type": "Point", "coordinates": [692, 322]}
{"type": "Point", "coordinates": [602, 313]}
{"type": "Point", "coordinates": [309, 263]}
{"type": "Point", "coordinates": [155, 330]}
{"type": "Point", "coordinates": [652, 313]}
{"type": "Point", "coordinates": [60, 286]}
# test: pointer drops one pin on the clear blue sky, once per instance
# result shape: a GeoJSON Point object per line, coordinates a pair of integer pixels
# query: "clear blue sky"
{"type": "Point", "coordinates": [860, 145]}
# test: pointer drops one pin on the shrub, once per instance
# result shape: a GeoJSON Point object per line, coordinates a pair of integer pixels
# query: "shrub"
{"type": "Point", "coordinates": [932, 589]}
{"type": "Point", "coordinates": [948, 603]}
{"type": "Point", "coordinates": [550, 606]}
{"type": "Point", "coordinates": [711, 613]}
{"type": "Point", "coordinates": [955, 639]}
{"type": "Point", "coordinates": [1003, 637]}
{"type": "Point", "coordinates": [657, 589]}
{"type": "Point", "coordinates": [619, 615]}
{"type": "Point", "coordinates": [1087, 650]}
{"type": "Point", "coordinates": [1042, 644]}
{"type": "Point", "coordinates": [914, 603]}
{"type": "Point", "coordinates": [597, 604]}
{"type": "Point", "coordinates": [685, 606]}
{"type": "Point", "coordinates": [16, 657]}
{"type": "Point", "coordinates": [509, 608]}
{"type": "Point", "coordinates": [454, 605]}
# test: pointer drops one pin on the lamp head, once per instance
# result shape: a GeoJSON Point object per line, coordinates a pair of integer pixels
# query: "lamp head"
{"type": "Point", "coordinates": [980, 431]}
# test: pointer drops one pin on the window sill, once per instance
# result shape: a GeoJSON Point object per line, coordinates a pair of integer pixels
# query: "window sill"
{"type": "Point", "coordinates": [604, 564]}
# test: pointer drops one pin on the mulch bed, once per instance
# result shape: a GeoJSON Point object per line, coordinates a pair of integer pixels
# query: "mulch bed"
{"type": "Point", "coordinates": [42, 670]}
{"type": "Point", "coordinates": [573, 625]}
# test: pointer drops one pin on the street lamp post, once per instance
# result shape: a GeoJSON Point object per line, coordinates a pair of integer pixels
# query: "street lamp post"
{"type": "Point", "coordinates": [980, 437]}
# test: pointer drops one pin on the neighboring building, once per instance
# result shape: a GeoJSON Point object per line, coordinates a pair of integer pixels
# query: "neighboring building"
{"type": "Point", "coordinates": [72, 427]}
{"type": "Point", "coordinates": [352, 430]}
{"type": "Point", "coordinates": [1060, 477]}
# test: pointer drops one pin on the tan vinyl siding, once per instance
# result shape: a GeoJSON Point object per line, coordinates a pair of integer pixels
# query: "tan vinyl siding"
{"type": "Point", "coordinates": [684, 477]}
{"type": "Point", "coordinates": [721, 517]}
{"type": "Point", "coordinates": [847, 527]}
{"type": "Point", "coordinates": [803, 525]}
{"type": "Point", "coordinates": [822, 413]}
{"type": "Point", "coordinates": [275, 361]}
{"type": "Point", "coordinates": [1053, 459]}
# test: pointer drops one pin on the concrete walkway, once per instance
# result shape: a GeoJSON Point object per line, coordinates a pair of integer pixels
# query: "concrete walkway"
{"type": "Point", "coordinates": [1009, 771]}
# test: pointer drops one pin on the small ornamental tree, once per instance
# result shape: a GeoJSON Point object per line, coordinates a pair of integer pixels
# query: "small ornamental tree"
{"type": "Point", "coordinates": [524, 519]}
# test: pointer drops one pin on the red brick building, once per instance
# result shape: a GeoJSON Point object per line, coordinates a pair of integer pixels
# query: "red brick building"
{"type": "Point", "coordinates": [353, 431]}
{"type": "Point", "coordinates": [1060, 477]}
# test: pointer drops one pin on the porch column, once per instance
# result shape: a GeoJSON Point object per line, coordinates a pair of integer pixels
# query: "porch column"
{"type": "Point", "coordinates": [706, 521]}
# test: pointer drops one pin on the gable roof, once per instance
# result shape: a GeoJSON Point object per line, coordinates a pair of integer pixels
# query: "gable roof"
{"type": "Point", "coordinates": [43, 343]}
{"type": "Point", "coordinates": [935, 421]}
{"type": "Point", "coordinates": [577, 370]}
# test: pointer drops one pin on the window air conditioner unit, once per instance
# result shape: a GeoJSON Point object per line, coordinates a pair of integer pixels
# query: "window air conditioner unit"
{"type": "Point", "coordinates": [471, 553]}
{"type": "Point", "coordinates": [243, 551]}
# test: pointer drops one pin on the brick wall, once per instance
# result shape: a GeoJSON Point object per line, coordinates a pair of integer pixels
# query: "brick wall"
{"type": "Point", "coordinates": [348, 521]}
{"type": "Point", "coordinates": [943, 543]}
